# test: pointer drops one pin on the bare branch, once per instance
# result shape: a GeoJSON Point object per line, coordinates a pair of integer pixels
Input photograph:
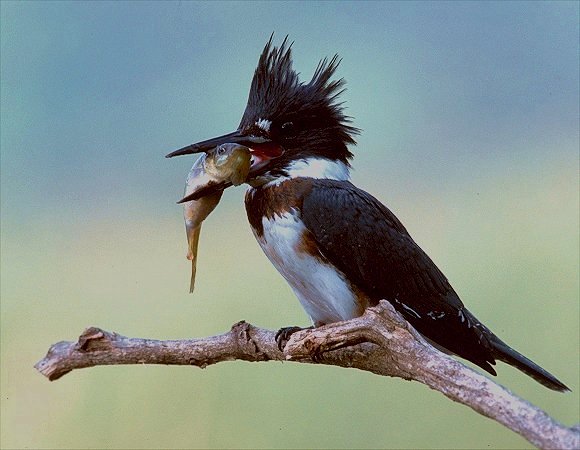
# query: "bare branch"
{"type": "Point", "coordinates": [380, 341]}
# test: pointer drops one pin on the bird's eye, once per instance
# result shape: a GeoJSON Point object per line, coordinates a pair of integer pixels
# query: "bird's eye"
{"type": "Point", "coordinates": [288, 128]}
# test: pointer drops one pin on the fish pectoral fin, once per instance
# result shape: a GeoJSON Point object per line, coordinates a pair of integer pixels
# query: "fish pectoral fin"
{"type": "Point", "coordinates": [193, 241]}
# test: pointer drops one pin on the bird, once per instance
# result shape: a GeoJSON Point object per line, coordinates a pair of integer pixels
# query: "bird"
{"type": "Point", "coordinates": [338, 247]}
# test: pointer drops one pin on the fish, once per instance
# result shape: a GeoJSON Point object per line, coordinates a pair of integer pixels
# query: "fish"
{"type": "Point", "coordinates": [227, 163]}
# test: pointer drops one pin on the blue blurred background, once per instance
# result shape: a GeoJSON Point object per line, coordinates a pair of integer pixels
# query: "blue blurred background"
{"type": "Point", "coordinates": [469, 114]}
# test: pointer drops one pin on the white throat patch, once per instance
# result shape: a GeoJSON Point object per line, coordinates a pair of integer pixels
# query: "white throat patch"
{"type": "Point", "coordinates": [318, 168]}
{"type": "Point", "coordinates": [321, 168]}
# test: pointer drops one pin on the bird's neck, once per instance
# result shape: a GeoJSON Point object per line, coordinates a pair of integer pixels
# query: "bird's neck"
{"type": "Point", "coordinates": [311, 167]}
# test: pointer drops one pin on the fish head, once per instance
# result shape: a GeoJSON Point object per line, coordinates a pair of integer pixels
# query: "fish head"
{"type": "Point", "coordinates": [229, 162]}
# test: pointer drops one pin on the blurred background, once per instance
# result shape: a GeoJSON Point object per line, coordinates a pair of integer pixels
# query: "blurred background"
{"type": "Point", "coordinates": [469, 114]}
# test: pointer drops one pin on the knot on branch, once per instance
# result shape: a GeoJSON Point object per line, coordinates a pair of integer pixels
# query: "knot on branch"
{"type": "Point", "coordinates": [243, 333]}
{"type": "Point", "coordinates": [388, 315]}
{"type": "Point", "coordinates": [95, 339]}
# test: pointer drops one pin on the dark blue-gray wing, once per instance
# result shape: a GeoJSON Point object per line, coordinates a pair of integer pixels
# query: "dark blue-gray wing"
{"type": "Point", "coordinates": [363, 239]}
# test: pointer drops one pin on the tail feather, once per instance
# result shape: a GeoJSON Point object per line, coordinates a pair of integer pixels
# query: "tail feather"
{"type": "Point", "coordinates": [505, 353]}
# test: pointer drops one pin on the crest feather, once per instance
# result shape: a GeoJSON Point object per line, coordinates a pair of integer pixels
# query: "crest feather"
{"type": "Point", "coordinates": [276, 90]}
{"type": "Point", "coordinates": [273, 79]}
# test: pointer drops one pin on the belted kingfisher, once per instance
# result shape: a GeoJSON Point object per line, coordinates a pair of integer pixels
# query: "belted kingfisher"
{"type": "Point", "coordinates": [338, 247]}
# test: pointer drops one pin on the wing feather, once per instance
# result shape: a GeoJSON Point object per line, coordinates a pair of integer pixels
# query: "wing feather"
{"type": "Point", "coordinates": [366, 241]}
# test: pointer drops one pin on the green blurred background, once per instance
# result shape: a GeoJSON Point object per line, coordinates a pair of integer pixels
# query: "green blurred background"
{"type": "Point", "coordinates": [469, 114]}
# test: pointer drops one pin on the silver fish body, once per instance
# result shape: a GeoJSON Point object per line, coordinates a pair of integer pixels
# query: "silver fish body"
{"type": "Point", "coordinates": [225, 163]}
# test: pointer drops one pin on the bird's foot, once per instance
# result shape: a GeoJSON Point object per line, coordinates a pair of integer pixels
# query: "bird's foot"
{"type": "Point", "coordinates": [283, 335]}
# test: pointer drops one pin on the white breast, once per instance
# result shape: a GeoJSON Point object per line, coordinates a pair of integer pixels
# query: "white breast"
{"type": "Point", "coordinates": [322, 290]}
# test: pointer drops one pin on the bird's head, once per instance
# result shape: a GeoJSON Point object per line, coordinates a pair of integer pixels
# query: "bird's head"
{"type": "Point", "coordinates": [287, 123]}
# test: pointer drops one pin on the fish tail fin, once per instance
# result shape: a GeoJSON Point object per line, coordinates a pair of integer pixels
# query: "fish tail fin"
{"type": "Point", "coordinates": [193, 240]}
{"type": "Point", "coordinates": [192, 281]}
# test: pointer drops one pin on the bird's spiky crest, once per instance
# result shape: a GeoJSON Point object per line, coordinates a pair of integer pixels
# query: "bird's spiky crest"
{"type": "Point", "coordinates": [276, 91]}
{"type": "Point", "coordinates": [274, 79]}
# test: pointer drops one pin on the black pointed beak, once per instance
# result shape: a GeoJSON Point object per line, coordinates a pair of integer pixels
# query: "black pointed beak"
{"type": "Point", "coordinates": [204, 146]}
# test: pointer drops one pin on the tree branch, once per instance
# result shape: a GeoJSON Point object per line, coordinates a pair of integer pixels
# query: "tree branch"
{"type": "Point", "coordinates": [380, 341]}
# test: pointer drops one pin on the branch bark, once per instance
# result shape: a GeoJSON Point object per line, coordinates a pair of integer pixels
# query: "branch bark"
{"type": "Point", "coordinates": [380, 341]}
